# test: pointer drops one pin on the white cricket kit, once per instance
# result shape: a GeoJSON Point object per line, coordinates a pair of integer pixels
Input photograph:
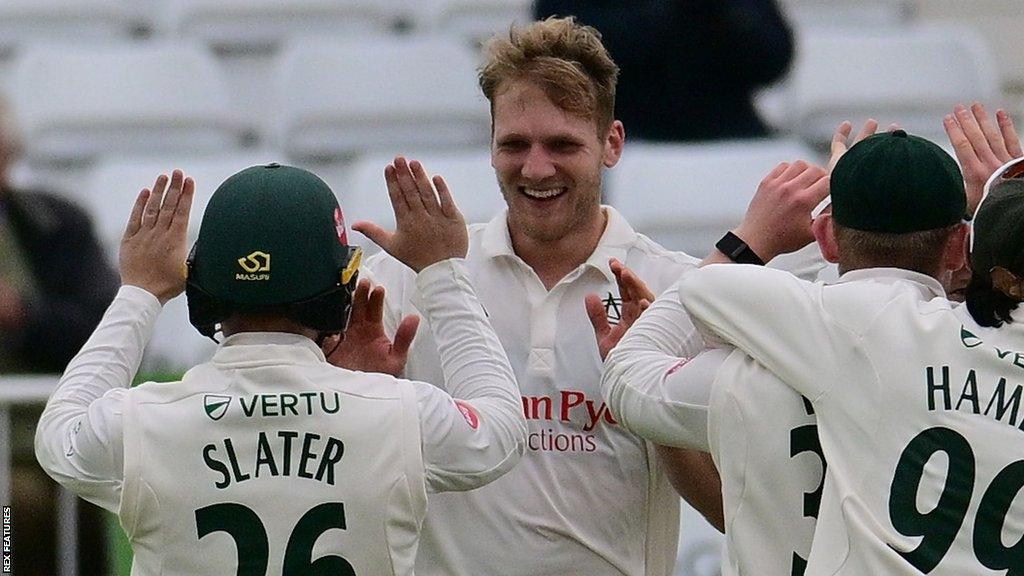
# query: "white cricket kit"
{"type": "Point", "coordinates": [917, 407]}
{"type": "Point", "coordinates": [588, 497]}
{"type": "Point", "coordinates": [267, 459]}
{"type": "Point", "coordinates": [761, 434]}
{"type": "Point", "coordinates": [764, 440]}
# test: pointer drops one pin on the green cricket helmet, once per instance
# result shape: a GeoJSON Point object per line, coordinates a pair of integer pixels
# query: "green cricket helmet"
{"type": "Point", "coordinates": [272, 240]}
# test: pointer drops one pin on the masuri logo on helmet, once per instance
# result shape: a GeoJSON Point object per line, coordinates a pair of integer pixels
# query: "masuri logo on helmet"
{"type": "Point", "coordinates": [258, 261]}
{"type": "Point", "coordinates": [279, 210]}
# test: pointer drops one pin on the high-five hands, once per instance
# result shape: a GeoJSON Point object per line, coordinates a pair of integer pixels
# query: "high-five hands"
{"type": "Point", "coordinates": [429, 227]}
{"type": "Point", "coordinates": [778, 219]}
{"type": "Point", "coordinates": [153, 248]}
{"type": "Point", "coordinates": [365, 346]}
{"type": "Point", "coordinates": [636, 297]}
{"type": "Point", "coordinates": [981, 147]}
{"type": "Point", "coordinates": [841, 139]}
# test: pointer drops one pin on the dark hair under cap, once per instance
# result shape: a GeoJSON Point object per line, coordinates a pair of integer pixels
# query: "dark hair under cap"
{"type": "Point", "coordinates": [997, 254]}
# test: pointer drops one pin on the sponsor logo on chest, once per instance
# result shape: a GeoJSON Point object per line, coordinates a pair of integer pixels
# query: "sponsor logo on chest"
{"type": "Point", "coordinates": [273, 405]}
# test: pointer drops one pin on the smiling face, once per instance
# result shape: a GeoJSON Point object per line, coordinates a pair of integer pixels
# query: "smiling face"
{"type": "Point", "coordinates": [548, 163]}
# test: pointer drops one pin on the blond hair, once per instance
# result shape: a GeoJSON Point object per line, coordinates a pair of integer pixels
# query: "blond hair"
{"type": "Point", "coordinates": [567, 60]}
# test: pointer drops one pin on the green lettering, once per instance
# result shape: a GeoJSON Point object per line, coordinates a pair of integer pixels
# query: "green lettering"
{"type": "Point", "coordinates": [239, 475]}
{"type": "Point", "coordinates": [933, 387]}
{"type": "Point", "coordinates": [269, 402]}
{"type": "Point", "coordinates": [265, 456]}
{"type": "Point", "coordinates": [216, 466]}
{"type": "Point", "coordinates": [970, 392]}
{"type": "Point", "coordinates": [307, 454]}
{"type": "Point", "coordinates": [332, 455]}
{"type": "Point", "coordinates": [288, 402]}
{"type": "Point", "coordinates": [1002, 405]}
{"type": "Point", "coordinates": [287, 436]}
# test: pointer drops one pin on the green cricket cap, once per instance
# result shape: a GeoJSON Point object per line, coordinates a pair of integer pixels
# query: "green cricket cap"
{"type": "Point", "coordinates": [270, 235]}
{"type": "Point", "coordinates": [998, 229]}
{"type": "Point", "coordinates": [897, 183]}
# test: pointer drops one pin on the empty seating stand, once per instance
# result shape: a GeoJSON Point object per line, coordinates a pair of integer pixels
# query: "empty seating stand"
{"type": "Point", "coordinates": [340, 98]}
{"type": "Point", "coordinates": [685, 196]}
{"type": "Point", "coordinates": [75, 105]}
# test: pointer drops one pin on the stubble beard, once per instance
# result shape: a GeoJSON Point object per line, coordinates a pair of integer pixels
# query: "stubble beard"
{"type": "Point", "coordinates": [584, 203]}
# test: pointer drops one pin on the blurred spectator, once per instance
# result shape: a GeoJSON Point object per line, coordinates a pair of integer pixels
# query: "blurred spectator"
{"type": "Point", "coordinates": [55, 284]}
{"type": "Point", "coordinates": [688, 67]}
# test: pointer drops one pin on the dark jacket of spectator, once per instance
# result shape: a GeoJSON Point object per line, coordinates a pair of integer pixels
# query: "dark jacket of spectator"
{"type": "Point", "coordinates": [688, 67]}
{"type": "Point", "coordinates": [73, 282]}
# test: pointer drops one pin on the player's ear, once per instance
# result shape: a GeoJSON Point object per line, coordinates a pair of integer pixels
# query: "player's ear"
{"type": "Point", "coordinates": [955, 252]}
{"type": "Point", "coordinates": [614, 140]}
{"type": "Point", "coordinates": [825, 233]}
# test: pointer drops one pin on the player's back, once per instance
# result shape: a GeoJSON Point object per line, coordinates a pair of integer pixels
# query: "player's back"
{"type": "Point", "coordinates": [764, 440]}
{"type": "Point", "coordinates": [924, 438]}
{"type": "Point", "coordinates": [268, 460]}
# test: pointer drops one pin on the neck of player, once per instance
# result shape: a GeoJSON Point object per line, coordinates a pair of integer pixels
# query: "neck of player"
{"type": "Point", "coordinates": [553, 259]}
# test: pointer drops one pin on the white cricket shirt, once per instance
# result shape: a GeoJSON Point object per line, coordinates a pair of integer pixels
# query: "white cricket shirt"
{"type": "Point", "coordinates": [269, 460]}
{"type": "Point", "coordinates": [771, 466]}
{"type": "Point", "coordinates": [917, 411]}
{"type": "Point", "coordinates": [588, 497]}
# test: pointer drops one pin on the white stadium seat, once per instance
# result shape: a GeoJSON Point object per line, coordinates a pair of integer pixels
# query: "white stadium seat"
{"type": "Point", "coordinates": [339, 98]}
{"type": "Point", "coordinates": [912, 76]}
{"type": "Point", "coordinates": [76, 105]}
{"type": "Point", "coordinates": [83, 21]}
{"type": "Point", "coordinates": [685, 196]}
{"type": "Point", "coordinates": [999, 22]}
{"type": "Point", "coordinates": [848, 13]}
{"type": "Point", "coordinates": [472, 20]}
{"type": "Point", "coordinates": [246, 24]}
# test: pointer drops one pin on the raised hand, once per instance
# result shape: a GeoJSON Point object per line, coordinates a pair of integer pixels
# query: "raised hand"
{"type": "Point", "coordinates": [778, 219]}
{"type": "Point", "coordinates": [153, 248]}
{"type": "Point", "coordinates": [981, 146]}
{"type": "Point", "coordinates": [841, 139]}
{"type": "Point", "coordinates": [636, 297]}
{"type": "Point", "coordinates": [429, 226]}
{"type": "Point", "coordinates": [364, 346]}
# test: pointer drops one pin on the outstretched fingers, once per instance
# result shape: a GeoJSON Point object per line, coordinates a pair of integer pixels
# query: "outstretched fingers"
{"type": "Point", "coordinates": [156, 196]}
{"type": "Point", "coordinates": [359, 314]}
{"type": "Point", "coordinates": [135, 218]}
{"type": "Point", "coordinates": [398, 201]}
{"type": "Point", "coordinates": [990, 131]}
{"type": "Point", "coordinates": [405, 334]}
{"type": "Point", "coordinates": [183, 210]}
{"type": "Point", "coordinates": [868, 129]}
{"type": "Point", "coordinates": [1009, 133]}
{"type": "Point", "coordinates": [975, 135]}
{"type": "Point", "coordinates": [423, 187]}
{"type": "Point", "coordinates": [597, 315]}
{"type": "Point", "coordinates": [170, 202]}
{"type": "Point", "coordinates": [375, 233]}
{"type": "Point", "coordinates": [444, 195]}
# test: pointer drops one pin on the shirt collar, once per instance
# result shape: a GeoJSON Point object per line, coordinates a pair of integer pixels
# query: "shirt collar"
{"type": "Point", "coordinates": [926, 284]}
{"type": "Point", "coordinates": [268, 348]}
{"type": "Point", "coordinates": [615, 241]}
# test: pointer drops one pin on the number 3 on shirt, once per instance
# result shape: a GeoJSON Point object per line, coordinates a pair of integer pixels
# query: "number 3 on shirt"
{"type": "Point", "coordinates": [939, 527]}
{"type": "Point", "coordinates": [250, 536]}
{"type": "Point", "coordinates": [805, 439]}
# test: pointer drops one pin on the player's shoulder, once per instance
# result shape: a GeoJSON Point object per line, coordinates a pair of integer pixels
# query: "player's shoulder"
{"type": "Point", "coordinates": [382, 268]}
{"type": "Point", "coordinates": [656, 265]}
{"type": "Point", "coordinates": [743, 379]}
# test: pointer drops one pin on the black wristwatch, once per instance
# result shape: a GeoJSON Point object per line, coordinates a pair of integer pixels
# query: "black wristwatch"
{"type": "Point", "coordinates": [737, 250]}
